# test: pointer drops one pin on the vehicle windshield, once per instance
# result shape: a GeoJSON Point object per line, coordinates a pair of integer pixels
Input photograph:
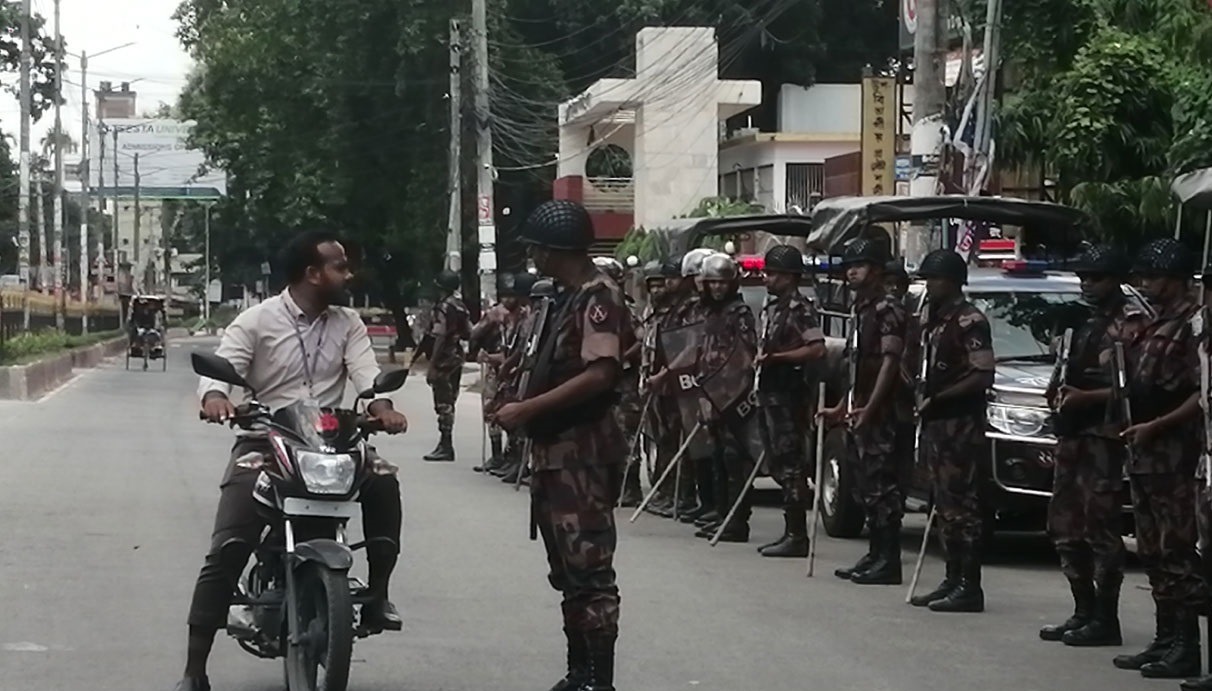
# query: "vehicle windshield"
{"type": "Point", "coordinates": [1024, 324]}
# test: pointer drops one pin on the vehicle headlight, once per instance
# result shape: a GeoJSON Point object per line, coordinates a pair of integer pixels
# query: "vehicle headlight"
{"type": "Point", "coordinates": [325, 473]}
{"type": "Point", "coordinates": [1018, 421]}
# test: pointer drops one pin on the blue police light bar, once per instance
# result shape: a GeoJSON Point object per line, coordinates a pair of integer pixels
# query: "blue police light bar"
{"type": "Point", "coordinates": [1025, 266]}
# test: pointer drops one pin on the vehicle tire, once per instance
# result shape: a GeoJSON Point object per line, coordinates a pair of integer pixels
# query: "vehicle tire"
{"type": "Point", "coordinates": [325, 616]}
{"type": "Point", "coordinates": [841, 514]}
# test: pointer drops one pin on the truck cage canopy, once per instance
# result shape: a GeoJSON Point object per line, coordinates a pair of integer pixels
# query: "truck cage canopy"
{"type": "Point", "coordinates": [1194, 189]}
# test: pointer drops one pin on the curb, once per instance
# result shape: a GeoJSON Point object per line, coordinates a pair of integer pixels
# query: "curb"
{"type": "Point", "coordinates": [36, 379]}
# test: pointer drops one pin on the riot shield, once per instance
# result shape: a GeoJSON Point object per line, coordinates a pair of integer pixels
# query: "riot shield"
{"type": "Point", "coordinates": [728, 389]}
{"type": "Point", "coordinates": [680, 349]}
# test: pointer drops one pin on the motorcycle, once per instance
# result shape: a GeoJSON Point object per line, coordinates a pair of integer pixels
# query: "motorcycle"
{"type": "Point", "coordinates": [297, 600]}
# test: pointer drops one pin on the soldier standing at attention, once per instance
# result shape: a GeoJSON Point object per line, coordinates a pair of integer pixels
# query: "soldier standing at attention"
{"type": "Point", "coordinates": [959, 372]}
{"type": "Point", "coordinates": [578, 448]}
{"type": "Point", "coordinates": [675, 292]}
{"type": "Point", "coordinates": [487, 345]}
{"type": "Point", "coordinates": [791, 338]}
{"type": "Point", "coordinates": [1163, 448]}
{"type": "Point", "coordinates": [1084, 513]}
{"type": "Point", "coordinates": [443, 345]}
{"type": "Point", "coordinates": [879, 319]}
{"type": "Point", "coordinates": [630, 406]}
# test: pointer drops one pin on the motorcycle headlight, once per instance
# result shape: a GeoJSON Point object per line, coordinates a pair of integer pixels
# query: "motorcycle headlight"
{"type": "Point", "coordinates": [1018, 421]}
{"type": "Point", "coordinates": [325, 473]}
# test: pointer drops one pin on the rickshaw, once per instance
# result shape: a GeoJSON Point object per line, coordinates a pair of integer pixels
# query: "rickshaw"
{"type": "Point", "coordinates": [145, 331]}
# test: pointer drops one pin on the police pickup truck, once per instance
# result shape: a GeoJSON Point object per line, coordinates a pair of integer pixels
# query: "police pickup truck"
{"type": "Point", "coordinates": [1028, 306]}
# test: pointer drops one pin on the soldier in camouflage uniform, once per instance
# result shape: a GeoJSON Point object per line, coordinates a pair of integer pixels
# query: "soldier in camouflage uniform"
{"type": "Point", "coordinates": [578, 448]}
{"type": "Point", "coordinates": [729, 327]}
{"type": "Point", "coordinates": [791, 339]}
{"type": "Point", "coordinates": [1163, 448]}
{"type": "Point", "coordinates": [541, 289]}
{"type": "Point", "coordinates": [654, 288]}
{"type": "Point", "coordinates": [630, 406]}
{"type": "Point", "coordinates": [1203, 506]}
{"type": "Point", "coordinates": [896, 279]}
{"type": "Point", "coordinates": [487, 345]}
{"type": "Point", "coordinates": [879, 320]}
{"type": "Point", "coordinates": [449, 327]}
{"type": "Point", "coordinates": [959, 373]}
{"type": "Point", "coordinates": [669, 431]}
{"type": "Point", "coordinates": [1084, 513]}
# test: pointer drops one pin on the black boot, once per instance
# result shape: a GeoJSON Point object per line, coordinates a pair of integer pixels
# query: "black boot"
{"type": "Point", "coordinates": [786, 531]}
{"type": "Point", "coordinates": [599, 674]}
{"type": "Point", "coordinates": [578, 663]}
{"type": "Point", "coordinates": [632, 493]}
{"type": "Point", "coordinates": [795, 544]}
{"type": "Point", "coordinates": [865, 562]}
{"type": "Point", "coordinates": [497, 459]}
{"type": "Point", "coordinates": [708, 530]}
{"type": "Point", "coordinates": [444, 452]}
{"type": "Point", "coordinates": [951, 581]}
{"type": "Point", "coordinates": [1162, 640]}
{"type": "Point", "coordinates": [1103, 628]}
{"type": "Point", "coordinates": [1200, 684]}
{"type": "Point", "coordinates": [708, 518]}
{"type": "Point", "coordinates": [1083, 611]}
{"type": "Point", "coordinates": [886, 570]}
{"type": "Point", "coordinates": [968, 597]}
{"type": "Point", "coordinates": [193, 684]}
{"type": "Point", "coordinates": [1182, 659]}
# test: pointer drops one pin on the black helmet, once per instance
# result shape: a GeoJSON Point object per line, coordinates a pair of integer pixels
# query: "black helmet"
{"type": "Point", "coordinates": [1100, 259]}
{"type": "Point", "coordinates": [522, 283]}
{"type": "Point", "coordinates": [784, 258]}
{"type": "Point", "coordinates": [448, 280]}
{"type": "Point", "coordinates": [543, 288]}
{"type": "Point", "coordinates": [719, 267]}
{"type": "Point", "coordinates": [612, 267]}
{"type": "Point", "coordinates": [507, 285]}
{"type": "Point", "coordinates": [864, 251]}
{"type": "Point", "coordinates": [896, 267]}
{"type": "Point", "coordinates": [672, 267]}
{"type": "Point", "coordinates": [944, 264]}
{"type": "Point", "coordinates": [652, 270]}
{"type": "Point", "coordinates": [1165, 257]}
{"type": "Point", "coordinates": [559, 225]}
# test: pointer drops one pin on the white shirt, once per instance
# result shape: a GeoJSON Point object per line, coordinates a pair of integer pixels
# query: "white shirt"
{"type": "Point", "coordinates": [267, 345]}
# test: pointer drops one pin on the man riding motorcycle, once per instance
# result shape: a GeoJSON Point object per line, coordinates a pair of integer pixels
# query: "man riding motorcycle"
{"type": "Point", "coordinates": [296, 346]}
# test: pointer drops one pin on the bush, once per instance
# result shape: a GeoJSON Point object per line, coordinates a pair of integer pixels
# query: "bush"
{"type": "Point", "coordinates": [28, 345]}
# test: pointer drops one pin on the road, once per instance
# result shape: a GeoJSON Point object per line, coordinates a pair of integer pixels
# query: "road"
{"type": "Point", "coordinates": [107, 491]}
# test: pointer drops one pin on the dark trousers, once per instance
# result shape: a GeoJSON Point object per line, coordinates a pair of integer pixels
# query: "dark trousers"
{"type": "Point", "coordinates": [1166, 536]}
{"type": "Point", "coordinates": [574, 510]}
{"type": "Point", "coordinates": [1084, 515]}
{"type": "Point", "coordinates": [238, 518]}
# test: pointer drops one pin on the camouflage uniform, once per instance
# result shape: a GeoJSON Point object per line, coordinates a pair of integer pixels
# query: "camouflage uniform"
{"type": "Point", "coordinates": [490, 336]}
{"type": "Point", "coordinates": [450, 325]}
{"type": "Point", "coordinates": [791, 322]}
{"type": "Point", "coordinates": [1164, 362]}
{"type": "Point", "coordinates": [881, 331]}
{"type": "Point", "coordinates": [577, 469]}
{"type": "Point", "coordinates": [729, 327]}
{"type": "Point", "coordinates": [631, 407]}
{"type": "Point", "coordinates": [671, 411]}
{"type": "Point", "coordinates": [953, 430]}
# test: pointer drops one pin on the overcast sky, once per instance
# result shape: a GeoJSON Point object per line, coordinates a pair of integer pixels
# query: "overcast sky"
{"type": "Point", "coordinates": [98, 25]}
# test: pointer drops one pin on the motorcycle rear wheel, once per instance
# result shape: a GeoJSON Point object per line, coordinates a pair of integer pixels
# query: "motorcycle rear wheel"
{"type": "Point", "coordinates": [320, 661]}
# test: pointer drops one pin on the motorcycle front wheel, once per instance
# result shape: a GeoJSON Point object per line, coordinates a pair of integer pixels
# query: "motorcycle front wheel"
{"type": "Point", "coordinates": [319, 661]}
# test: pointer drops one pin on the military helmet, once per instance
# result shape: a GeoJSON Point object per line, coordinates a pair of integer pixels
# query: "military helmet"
{"type": "Point", "coordinates": [864, 251]}
{"type": "Point", "coordinates": [448, 280]}
{"type": "Point", "coordinates": [672, 267]}
{"type": "Point", "coordinates": [523, 283]}
{"type": "Point", "coordinates": [719, 267]}
{"type": "Point", "coordinates": [692, 263]}
{"type": "Point", "coordinates": [896, 267]}
{"type": "Point", "coordinates": [944, 264]}
{"type": "Point", "coordinates": [1100, 259]}
{"type": "Point", "coordinates": [543, 288]}
{"type": "Point", "coordinates": [1165, 257]}
{"type": "Point", "coordinates": [784, 258]}
{"type": "Point", "coordinates": [507, 285]}
{"type": "Point", "coordinates": [611, 266]}
{"type": "Point", "coordinates": [652, 270]}
{"type": "Point", "coordinates": [559, 225]}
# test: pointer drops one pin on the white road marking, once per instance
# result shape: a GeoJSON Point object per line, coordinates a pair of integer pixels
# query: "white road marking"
{"type": "Point", "coordinates": [25, 647]}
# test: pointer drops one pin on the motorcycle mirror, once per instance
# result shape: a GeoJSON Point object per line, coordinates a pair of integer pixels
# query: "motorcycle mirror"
{"type": "Point", "coordinates": [386, 382]}
{"type": "Point", "coordinates": [214, 367]}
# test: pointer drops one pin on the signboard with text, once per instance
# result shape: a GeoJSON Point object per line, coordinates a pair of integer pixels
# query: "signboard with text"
{"type": "Point", "coordinates": [878, 166]}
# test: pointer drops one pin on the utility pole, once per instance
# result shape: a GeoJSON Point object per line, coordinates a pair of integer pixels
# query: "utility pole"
{"type": "Point", "coordinates": [926, 140]}
{"type": "Point", "coordinates": [23, 165]}
{"type": "Point", "coordinates": [114, 155]}
{"type": "Point", "coordinates": [138, 218]}
{"type": "Point", "coordinates": [206, 275]}
{"type": "Point", "coordinates": [454, 234]}
{"type": "Point", "coordinates": [85, 287]}
{"type": "Point", "coordinates": [486, 209]}
{"type": "Point", "coordinates": [60, 267]}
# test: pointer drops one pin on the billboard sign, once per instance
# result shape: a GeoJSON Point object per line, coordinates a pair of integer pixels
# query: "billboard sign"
{"type": "Point", "coordinates": [167, 167]}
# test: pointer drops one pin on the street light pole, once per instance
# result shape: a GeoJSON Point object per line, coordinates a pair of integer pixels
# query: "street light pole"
{"type": "Point", "coordinates": [206, 275]}
{"type": "Point", "coordinates": [61, 277]}
{"type": "Point", "coordinates": [85, 292]}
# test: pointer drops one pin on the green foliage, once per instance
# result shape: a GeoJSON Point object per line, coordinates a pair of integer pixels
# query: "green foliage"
{"type": "Point", "coordinates": [28, 346]}
{"type": "Point", "coordinates": [719, 207]}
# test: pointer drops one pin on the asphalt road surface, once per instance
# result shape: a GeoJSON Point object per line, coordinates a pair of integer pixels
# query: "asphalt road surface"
{"type": "Point", "coordinates": [107, 492]}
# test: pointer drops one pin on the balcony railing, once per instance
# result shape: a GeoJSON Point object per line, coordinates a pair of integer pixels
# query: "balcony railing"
{"type": "Point", "coordinates": [609, 194]}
